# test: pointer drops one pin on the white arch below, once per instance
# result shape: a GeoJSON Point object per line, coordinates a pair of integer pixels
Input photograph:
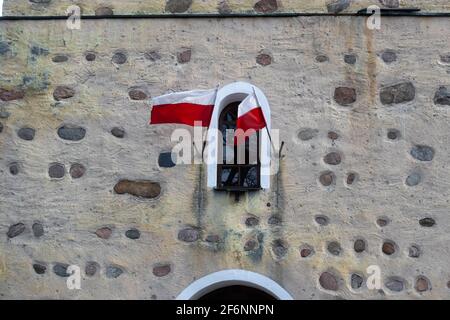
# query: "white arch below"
{"type": "Point", "coordinates": [232, 277]}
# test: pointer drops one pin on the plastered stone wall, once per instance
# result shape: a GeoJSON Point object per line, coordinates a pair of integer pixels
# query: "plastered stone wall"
{"type": "Point", "coordinates": [101, 7]}
{"type": "Point", "coordinates": [363, 181]}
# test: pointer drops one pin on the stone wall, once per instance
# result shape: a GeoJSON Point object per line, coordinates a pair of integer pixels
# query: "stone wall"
{"type": "Point", "coordinates": [365, 180]}
{"type": "Point", "coordinates": [101, 7]}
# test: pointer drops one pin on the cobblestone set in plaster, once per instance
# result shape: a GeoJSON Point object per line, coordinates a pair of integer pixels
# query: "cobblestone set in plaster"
{"type": "Point", "coordinates": [363, 180]}
{"type": "Point", "coordinates": [100, 8]}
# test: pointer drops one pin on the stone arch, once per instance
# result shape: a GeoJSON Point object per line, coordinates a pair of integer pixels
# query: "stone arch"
{"type": "Point", "coordinates": [231, 277]}
{"type": "Point", "coordinates": [236, 92]}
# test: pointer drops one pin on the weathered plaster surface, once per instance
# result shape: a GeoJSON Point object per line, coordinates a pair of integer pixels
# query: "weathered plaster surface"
{"type": "Point", "coordinates": [53, 7]}
{"type": "Point", "coordinates": [300, 90]}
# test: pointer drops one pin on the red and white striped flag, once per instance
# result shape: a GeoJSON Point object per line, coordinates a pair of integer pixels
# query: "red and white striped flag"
{"type": "Point", "coordinates": [184, 107]}
{"type": "Point", "coordinates": [250, 118]}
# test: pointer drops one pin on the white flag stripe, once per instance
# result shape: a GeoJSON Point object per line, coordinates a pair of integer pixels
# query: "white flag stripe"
{"type": "Point", "coordinates": [200, 97]}
{"type": "Point", "coordinates": [247, 105]}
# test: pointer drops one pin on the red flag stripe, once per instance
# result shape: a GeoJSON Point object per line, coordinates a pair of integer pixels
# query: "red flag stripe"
{"type": "Point", "coordinates": [182, 113]}
{"type": "Point", "coordinates": [254, 119]}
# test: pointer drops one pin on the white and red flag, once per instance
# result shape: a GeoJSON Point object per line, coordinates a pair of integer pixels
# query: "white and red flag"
{"type": "Point", "coordinates": [250, 118]}
{"type": "Point", "coordinates": [184, 107]}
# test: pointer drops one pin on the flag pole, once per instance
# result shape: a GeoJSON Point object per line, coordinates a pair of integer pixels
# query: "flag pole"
{"type": "Point", "coordinates": [267, 129]}
{"type": "Point", "coordinates": [207, 129]}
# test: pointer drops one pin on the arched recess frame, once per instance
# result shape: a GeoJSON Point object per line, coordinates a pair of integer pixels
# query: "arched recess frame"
{"type": "Point", "coordinates": [237, 92]}
{"type": "Point", "coordinates": [231, 277]}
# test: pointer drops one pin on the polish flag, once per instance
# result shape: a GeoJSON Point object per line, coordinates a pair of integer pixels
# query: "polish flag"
{"type": "Point", "coordinates": [184, 107]}
{"type": "Point", "coordinates": [250, 119]}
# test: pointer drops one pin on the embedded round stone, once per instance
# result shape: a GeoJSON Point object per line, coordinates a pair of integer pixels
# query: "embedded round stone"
{"type": "Point", "coordinates": [104, 233]}
{"type": "Point", "coordinates": [11, 94]}
{"type": "Point", "coordinates": [442, 95]}
{"type": "Point", "coordinates": [382, 221]}
{"type": "Point", "coordinates": [328, 281]}
{"type": "Point", "coordinates": [38, 229]}
{"type": "Point", "coordinates": [60, 269]}
{"type": "Point", "coordinates": [251, 221]}
{"type": "Point", "coordinates": [359, 245]}
{"type": "Point", "coordinates": [4, 47]}
{"type": "Point", "coordinates": [119, 58]}
{"type": "Point", "coordinates": [223, 7]}
{"type": "Point", "coordinates": [356, 281]}
{"type": "Point", "coordinates": [264, 59]}
{"type": "Point", "coordinates": [395, 284]}
{"type": "Point", "coordinates": [422, 284]}
{"type": "Point", "coordinates": [90, 56]}
{"type": "Point", "coordinates": [350, 58]}
{"type": "Point", "coordinates": [161, 270]}
{"type": "Point", "coordinates": [4, 114]}
{"type": "Point", "coordinates": [321, 58]}
{"type": "Point", "coordinates": [275, 220]}
{"type": "Point", "coordinates": [165, 160]}
{"type": "Point", "coordinates": [63, 92]}
{"type": "Point", "coordinates": [133, 234]}
{"type": "Point", "coordinates": [104, 11]}
{"type": "Point", "coordinates": [307, 134]}
{"type": "Point", "coordinates": [333, 158]}
{"type": "Point", "coordinates": [184, 56]}
{"type": "Point", "coordinates": [14, 169]}
{"type": "Point", "coordinates": [327, 178]}
{"type": "Point", "coordinates": [137, 94]}
{"type": "Point", "coordinates": [118, 132]}
{"type": "Point", "coordinates": [39, 268]}
{"type": "Point", "coordinates": [338, 6]}
{"type": "Point", "coordinates": [266, 6]}
{"type": "Point", "coordinates": [306, 251]}
{"type": "Point", "coordinates": [26, 134]}
{"type": "Point", "coordinates": [250, 245]}
{"type": "Point", "coordinates": [334, 248]}
{"type": "Point", "coordinates": [322, 220]}
{"type": "Point", "coordinates": [113, 272]}
{"type": "Point", "coordinates": [142, 189]}
{"type": "Point", "coordinates": [56, 171]}
{"type": "Point", "coordinates": [178, 6]}
{"type": "Point", "coordinates": [212, 238]}
{"type": "Point", "coordinates": [333, 135]}
{"type": "Point", "coordinates": [189, 235]}
{"type": "Point", "coordinates": [422, 153]}
{"type": "Point", "coordinates": [344, 96]}
{"type": "Point", "coordinates": [15, 230]}
{"type": "Point", "coordinates": [427, 222]}
{"type": "Point", "coordinates": [398, 93]}
{"type": "Point", "coordinates": [91, 268]}
{"type": "Point", "coordinates": [393, 134]}
{"type": "Point", "coordinates": [77, 170]}
{"type": "Point", "coordinates": [414, 251]}
{"type": "Point", "coordinates": [60, 58]}
{"type": "Point", "coordinates": [351, 178]}
{"type": "Point", "coordinates": [388, 248]}
{"type": "Point", "coordinates": [389, 56]}
{"type": "Point", "coordinates": [279, 248]}
{"type": "Point", "coordinates": [413, 179]}
{"type": "Point", "coordinates": [71, 133]}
